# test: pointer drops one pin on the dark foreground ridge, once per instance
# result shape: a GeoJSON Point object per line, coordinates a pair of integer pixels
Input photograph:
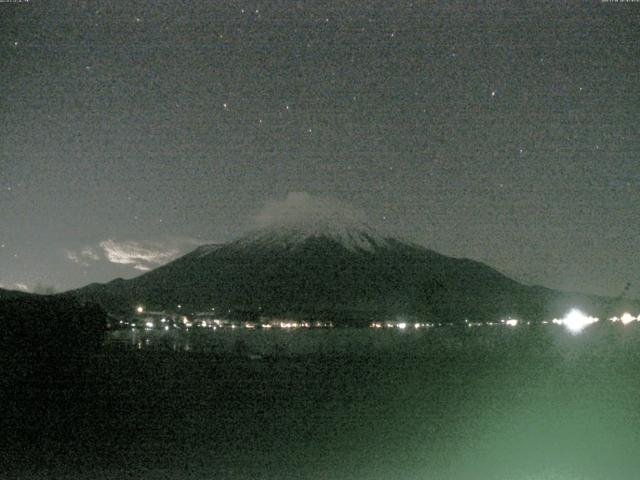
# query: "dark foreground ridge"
{"type": "Point", "coordinates": [40, 334]}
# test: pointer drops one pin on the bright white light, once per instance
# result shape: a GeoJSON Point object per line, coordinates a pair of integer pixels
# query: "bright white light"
{"type": "Point", "coordinates": [576, 321]}
{"type": "Point", "coordinates": [511, 322]}
{"type": "Point", "coordinates": [149, 324]}
{"type": "Point", "coordinates": [166, 327]}
{"type": "Point", "coordinates": [402, 326]}
{"type": "Point", "coordinates": [627, 318]}
{"type": "Point", "coordinates": [140, 309]}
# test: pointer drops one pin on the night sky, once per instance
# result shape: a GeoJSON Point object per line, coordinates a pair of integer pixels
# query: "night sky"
{"type": "Point", "coordinates": [134, 131]}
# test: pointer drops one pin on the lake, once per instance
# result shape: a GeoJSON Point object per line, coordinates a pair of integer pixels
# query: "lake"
{"type": "Point", "coordinates": [449, 403]}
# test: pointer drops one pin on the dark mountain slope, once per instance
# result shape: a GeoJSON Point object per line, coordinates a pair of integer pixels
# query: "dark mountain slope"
{"type": "Point", "coordinates": [344, 275]}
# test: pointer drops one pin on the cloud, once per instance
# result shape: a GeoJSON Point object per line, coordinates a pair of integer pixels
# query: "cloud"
{"type": "Point", "coordinates": [141, 255]}
{"type": "Point", "coordinates": [38, 287]}
{"type": "Point", "coordinates": [145, 255]}
{"type": "Point", "coordinates": [83, 256]}
{"type": "Point", "coordinates": [302, 208]}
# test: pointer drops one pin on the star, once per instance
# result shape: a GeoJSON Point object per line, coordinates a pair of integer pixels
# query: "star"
{"type": "Point", "coordinates": [225, 105]}
{"type": "Point", "coordinates": [493, 93]}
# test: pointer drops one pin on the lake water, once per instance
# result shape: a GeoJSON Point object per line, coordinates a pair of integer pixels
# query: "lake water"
{"type": "Point", "coordinates": [486, 403]}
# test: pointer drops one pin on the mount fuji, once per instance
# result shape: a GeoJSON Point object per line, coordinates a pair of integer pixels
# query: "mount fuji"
{"type": "Point", "coordinates": [329, 268]}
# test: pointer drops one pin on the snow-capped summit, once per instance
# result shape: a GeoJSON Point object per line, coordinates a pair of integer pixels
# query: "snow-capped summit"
{"type": "Point", "coordinates": [350, 236]}
{"type": "Point", "coordinates": [301, 217]}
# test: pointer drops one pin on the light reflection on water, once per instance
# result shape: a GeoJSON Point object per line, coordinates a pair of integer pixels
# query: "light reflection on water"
{"type": "Point", "coordinates": [530, 404]}
{"type": "Point", "coordinates": [567, 343]}
{"type": "Point", "coordinates": [305, 341]}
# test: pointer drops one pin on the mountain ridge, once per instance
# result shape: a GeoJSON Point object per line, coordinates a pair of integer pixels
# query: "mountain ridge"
{"type": "Point", "coordinates": [349, 275]}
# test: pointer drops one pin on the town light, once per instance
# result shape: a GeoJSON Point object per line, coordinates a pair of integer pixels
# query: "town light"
{"type": "Point", "coordinates": [627, 318]}
{"type": "Point", "coordinates": [576, 321]}
{"type": "Point", "coordinates": [139, 309]}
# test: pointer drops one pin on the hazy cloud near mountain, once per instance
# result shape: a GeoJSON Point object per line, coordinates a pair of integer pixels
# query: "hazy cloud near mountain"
{"type": "Point", "coordinates": [82, 257]}
{"type": "Point", "coordinates": [304, 208]}
{"type": "Point", "coordinates": [142, 255]}
{"type": "Point", "coordinates": [38, 288]}
{"type": "Point", "coordinates": [15, 286]}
